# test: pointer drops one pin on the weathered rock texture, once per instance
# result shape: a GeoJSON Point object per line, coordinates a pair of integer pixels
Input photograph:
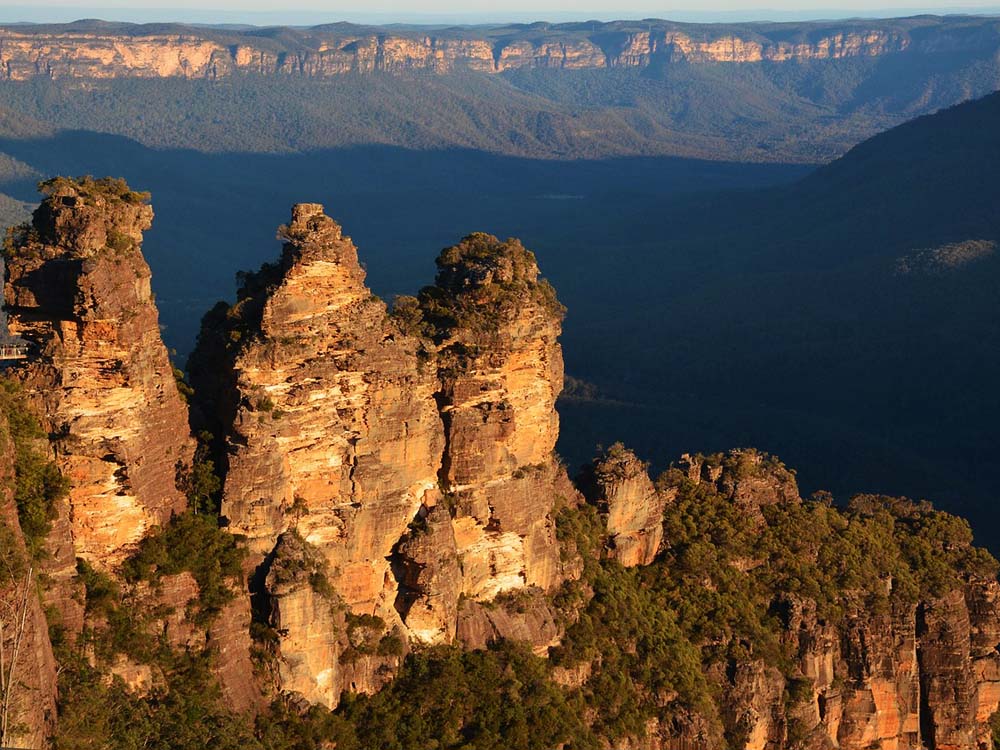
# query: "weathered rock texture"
{"type": "Point", "coordinates": [333, 425]}
{"type": "Point", "coordinates": [394, 476]}
{"type": "Point", "coordinates": [410, 454]}
{"type": "Point", "coordinates": [333, 444]}
{"type": "Point", "coordinates": [324, 649]}
{"type": "Point", "coordinates": [170, 608]}
{"type": "Point", "coordinates": [109, 51]}
{"type": "Point", "coordinates": [501, 371]}
{"type": "Point", "coordinates": [78, 290]}
{"type": "Point", "coordinates": [32, 712]}
{"type": "Point", "coordinates": [427, 566]}
{"type": "Point", "coordinates": [918, 676]}
{"type": "Point", "coordinates": [618, 484]}
{"type": "Point", "coordinates": [525, 616]}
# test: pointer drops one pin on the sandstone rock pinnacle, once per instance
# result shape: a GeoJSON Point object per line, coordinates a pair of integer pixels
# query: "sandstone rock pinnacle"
{"type": "Point", "coordinates": [501, 370]}
{"type": "Point", "coordinates": [333, 425]}
{"type": "Point", "coordinates": [78, 291]}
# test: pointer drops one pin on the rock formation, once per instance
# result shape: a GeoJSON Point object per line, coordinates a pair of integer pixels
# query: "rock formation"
{"type": "Point", "coordinates": [393, 476]}
{"type": "Point", "coordinates": [343, 424]}
{"type": "Point", "coordinates": [921, 674]}
{"type": "Point", "coordinates": [918, 676]}
{"type": "Point", "coordinates": [750, 479]}
{"type": "Point", "coordinates": [78, 291]}
{"type": "Point", "coordinates": [426, 563]}
{"type": "Point", "coordinates": [332, 426]}
{"type": "Point", "coordinates": [618, 484]}
{"type": "Point", "coordinates": [332, 447]}
{"type": "Point", "coordinates": [109, 52]}
{"type": "Point", "coordinates": [325, 649]}
{"type": "Point", "coordinates": [501, 370]}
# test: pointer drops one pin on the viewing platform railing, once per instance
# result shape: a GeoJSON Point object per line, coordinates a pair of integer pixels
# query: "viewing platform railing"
{"type": "Point", "coordinates": [10, 352]}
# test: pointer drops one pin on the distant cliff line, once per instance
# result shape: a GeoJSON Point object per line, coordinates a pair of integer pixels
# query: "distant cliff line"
{"type": "Point", "coordinates": [99, 50]}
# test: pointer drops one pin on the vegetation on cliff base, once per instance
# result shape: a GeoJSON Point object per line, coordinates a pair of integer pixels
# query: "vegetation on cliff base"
{"type": "Point", "coordinates": [182, 710]}
{"type": "Point", "coordinates": [495, 699]}
{"type": "Point", "coordinates": [180, 705]}
{"type": "Point", "coordinates": [193, 543]}
{"type": "Point", "coordinates": [38, 483]}
{"type": "Point", "coordinates": [649, 638]}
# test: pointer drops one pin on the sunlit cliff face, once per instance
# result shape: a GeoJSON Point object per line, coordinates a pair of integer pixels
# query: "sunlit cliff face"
{"type": "Point", "coordinates": [24, 55]}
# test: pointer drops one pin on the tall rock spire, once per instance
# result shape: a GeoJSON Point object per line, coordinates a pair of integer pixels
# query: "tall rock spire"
{"type": "Point", "coordinates": [501, 370]}
{"type": "Point", "coordinates": [330, 422]}
{"type": "Point", "coordinates": [78, 291]}
{"type": "Point", "coordinates": [343, 423]}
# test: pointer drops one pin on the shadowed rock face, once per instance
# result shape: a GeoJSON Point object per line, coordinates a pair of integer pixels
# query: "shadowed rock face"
{"type": "Point", "coordinates": [33, 708]}
{"type": "Point", "coordinates": [77, 289]}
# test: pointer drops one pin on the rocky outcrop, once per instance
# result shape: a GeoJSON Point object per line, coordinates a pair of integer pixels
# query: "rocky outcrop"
{"type": "Point", "coordinates": [408, 458]}
{"type": "Point", "coordinates": [324, 649]}
{"type": "Point", "coordinates": [956, 698]}
{"type": "Point", "coordinates": [500, 365]}
{"type": "Point", "coordinates": [331, 422]}
{"type": "Point", "coordinates": [78, 291]}
{"type": "Point", "coordinates": [618, 484]}
{"type": "Point", "coordinates": [922, 675]}
{"type": "Point", "coordinates": [24, 635]}
{"type": "Point", "coordinates": [332, 443]}
{"type": "Point", "coordinates": [910, 674]}
{"type": "Point", "coordinates": [525, 616]}
{"type": "Point", "coordinates": [228, 637]}
{"type": "Point", "coordinates": [749, 478]}
{"type": "Point", "coordinates": [108, 51]}
{"type": "Point", "coordinates": [427, 566]}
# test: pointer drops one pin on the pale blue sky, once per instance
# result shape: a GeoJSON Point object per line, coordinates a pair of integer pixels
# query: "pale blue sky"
{"type": "Point", "coordinates": [469, 11]}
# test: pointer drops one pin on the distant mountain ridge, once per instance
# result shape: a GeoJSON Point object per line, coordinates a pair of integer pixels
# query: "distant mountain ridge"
{"type": "Point", "coordinates": [96, 49]}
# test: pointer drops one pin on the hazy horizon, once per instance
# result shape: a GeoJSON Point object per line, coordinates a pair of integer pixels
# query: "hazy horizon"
{"type": "Point", "coordinates": [444, 12]}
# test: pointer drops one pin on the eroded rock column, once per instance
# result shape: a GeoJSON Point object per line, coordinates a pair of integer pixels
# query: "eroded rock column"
{"type": "Point", "coordinates": [334, 428]}
{"type": "Point", "coordinates": [78, 290]}
{"type": "Point", "coordinates": [501, 370]}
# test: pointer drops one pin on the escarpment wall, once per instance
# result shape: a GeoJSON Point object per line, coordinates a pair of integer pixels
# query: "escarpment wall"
{"type": "Point", "coordinates": [108, 51]}
{"type": "Point", "coordinates": [920, 674]}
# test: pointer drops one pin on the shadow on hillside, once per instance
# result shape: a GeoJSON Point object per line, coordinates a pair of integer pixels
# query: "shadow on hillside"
{"type": "Point", "coordinates": [217, 213]}
{"type": "Point", "coordinates": [709, 320]}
